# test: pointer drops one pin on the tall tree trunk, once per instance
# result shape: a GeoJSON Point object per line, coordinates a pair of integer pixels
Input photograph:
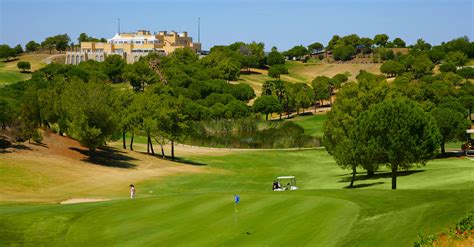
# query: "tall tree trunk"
{"type": "Point", "coordinates": [162, 151]}
{"type": "Point", "coordinates": [172, 150]}
{"type": "Point", "coordinates": [148, 144]}
{"type": "Point", "coordinates": [151, 147]}
{"type": "Point", "coordinates": [266, 117]}
{"type": "Point", "coordinates": [354, 171]}
{"type": "Point", "coordinates": [123, 138]}
{"type": "Point", "coordinates": [394, 176]}
{"type": "Point", "coordinates": [442, 148]}
{"type": "Point", "coordinates": [370, 172]}
{"type": "Point", "coordinates": [131, 141]}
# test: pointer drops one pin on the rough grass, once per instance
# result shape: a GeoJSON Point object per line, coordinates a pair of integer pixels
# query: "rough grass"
{"type": "Point", "coordinates": [312, 125]}
{"type": "Point", "coordinates": [9, 72]}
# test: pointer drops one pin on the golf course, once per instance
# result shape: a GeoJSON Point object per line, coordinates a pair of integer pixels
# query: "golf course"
{"type": "Point", "coordinates": [182, 203]}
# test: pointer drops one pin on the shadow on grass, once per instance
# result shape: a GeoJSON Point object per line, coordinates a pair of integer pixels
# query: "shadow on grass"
{"type": "Point", "coordinates": [245, 72]}
{"type": "Point", "coordinates": [176, 159]}
{"type": "Point", "coordinates": [378, 175]}
{"type": "Point", "coordinates": [450, 155]}
{"type": "Point", "coordinates": [7, 147]}
{"type": "Point", "coordinates": [107, 156]}
{"type": "Point", "coordinates": [363, 185]}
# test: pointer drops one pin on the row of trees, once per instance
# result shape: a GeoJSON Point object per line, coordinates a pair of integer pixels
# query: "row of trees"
{"type": "Point", "coordinates": [374, 123]}
{"type": "Point", "coordinates": [7, 52]}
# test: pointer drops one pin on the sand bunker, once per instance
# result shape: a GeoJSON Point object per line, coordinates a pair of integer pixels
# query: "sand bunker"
{"type": "Point", "coordinates": [83, 200]}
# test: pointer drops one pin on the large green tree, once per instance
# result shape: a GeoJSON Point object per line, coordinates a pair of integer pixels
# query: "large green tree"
{"type": "Point", "coordinates": [266, 104]}
{"type": "Point", "coordinates": [451, 124]}
{"type": "Point", "coordinates": [397, 133]}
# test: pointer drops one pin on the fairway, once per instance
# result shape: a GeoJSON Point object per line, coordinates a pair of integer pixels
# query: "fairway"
{"type": "Point", "coordinates": [183, 208]}
{"type": "Point", "coordinates": [9, 73]}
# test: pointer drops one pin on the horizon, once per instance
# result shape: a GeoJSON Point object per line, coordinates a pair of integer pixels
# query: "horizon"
{"type": "Point", "coordinates": [223, 23]}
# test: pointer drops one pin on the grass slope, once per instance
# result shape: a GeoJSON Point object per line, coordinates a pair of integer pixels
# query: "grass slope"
{"type": "Point", "coordinates": [9, 73]}
{"type": "Point", "coordinates": [197, 209]}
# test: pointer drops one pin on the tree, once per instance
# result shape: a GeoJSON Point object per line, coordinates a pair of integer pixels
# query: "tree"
{"type": "Point", "coordinates": [113, 66]}
{"type": "Point", "coordinates": [343, 52]}
{"type": "Point", "coordinates": [447, 67]}
{"type": "Point", "coordinates": [397, 133]}
{"type": "Point", "coordinates": [277, 70]}
{"type": "Point", "coordinates": [230, 69]}
{"type": "Point", "coordinates": [174, 124]}
{"type": "Point", "coordinates": [392, 68]}
{"type": "Point", "coordinates": [321, 89]}
{"type": "Point", "coordinates": [61, 42]}
{"type": "Point", "coordinates": [32, 46]}
{"type": "Point", "coordinates": [457, 58]}
{"type": "Point", "coordinates": [296, 52]}
{"type": "Point", "coordinates": [275, 57]}
{"type": "Point", "coordinates": [381, 39]}
{"type": "Point", "coordinates": [451, 124]}
{"type": "Point", "coordinates": [24, 65]}
{"type": "Point", "coordinates": [90, 108]}
{"type": "Point", "coordinates": [6, 52]}
{"type": "Point", "coordinates": [422, 65]}
{"type": "Point", "coordinates": [466, 72]}
{"type": "Point", "coordinates": [18, 49]}
{"type": "Point", "coordinates": [436, 54]}
{"type": "Point", "coordinates": [421, 45]}
{"type": "Point", "coordinates": [266, 104]}
{"type": "Point", "coordinates": [399, 43]}
{"type": "Point", "coordinates": [315, 47]}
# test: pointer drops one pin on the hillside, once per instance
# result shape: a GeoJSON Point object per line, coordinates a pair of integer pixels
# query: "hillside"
{"type": "Point", "coordinates": [9, 73]}
{"type": "Point", "coordinates": [304, 73]}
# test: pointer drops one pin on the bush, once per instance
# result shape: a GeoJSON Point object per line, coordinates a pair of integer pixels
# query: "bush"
{"type": "Point", "coordinates": [23, 65]}
{"type": "Point", "coordinates": [37, 136]}
{"type": "Point", "coordinates": [447, 67]}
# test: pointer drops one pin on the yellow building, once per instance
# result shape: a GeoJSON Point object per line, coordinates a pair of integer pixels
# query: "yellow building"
{"type": "Point", "coordinates": [132, 46]}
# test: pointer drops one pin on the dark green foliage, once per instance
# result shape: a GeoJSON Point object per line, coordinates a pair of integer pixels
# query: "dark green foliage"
{"type": "Point", "coordinates": [315, 47]}
{"type": "Point", "coordinates": [381, 39]}
{"type": "Point", "coordinates": [90, 108]}
{"type": "Point", "coordinates": [113, 66]}
{"type": "Point", "coordinates": [6, 52]}
{"type": "Point", "coordinates": [457, 58]}
{"type": "Point", "coordinates": [58, 42]}
{"type": "Point", "coordinates": [397, 133]}
{"type": "Point", "coordinates": [24, 65]}
{"type": "Point", "coordinates": [266, 104]}
{"type": "Point", "coordinates": [296, 52]}
{"type": "Point", "coordinates": [392, 68]}
{"type": "Point", "coordinates": [277, 70]}
{"type": "Point", "coordinates": [399, 43]}
{"type": "Point", "coordinates": [241, 91]}
{"type": "Point", "coordinates": [466, 73]}
{"type": "Point", "coordinates": [321, 87]}
{"type": "Point", "coordinates": [451, 123]}
{"type": "Point", "coordinates": [32, 46]}
{"type": "Point", "coordinates": [447, 67]}
{"type": "Point", "coordinates": [275, 57]}
{"type": "Point", "coordinates": [422, 65]}
{"type": "Point", "coordinates": [343, 52]}
{"type": "Point", "coordinates": [249, 133]}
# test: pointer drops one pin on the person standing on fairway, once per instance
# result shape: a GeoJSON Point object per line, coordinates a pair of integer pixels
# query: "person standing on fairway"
{"type": "Point", "coordinates": [132, 191]}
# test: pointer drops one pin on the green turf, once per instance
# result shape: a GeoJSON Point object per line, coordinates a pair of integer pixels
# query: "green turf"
{"type": "Point", "coordinates": [313, 125]}
{"type": "Point", "coordinates": [198, 210]}
{"type": "Point", "coordinates": [8, 77]}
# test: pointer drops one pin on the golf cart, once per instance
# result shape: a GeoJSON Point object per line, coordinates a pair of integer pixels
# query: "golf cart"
{"type": "Point", "coordinates": [285, 183]}
{"type": "Point", "coordinates": [469, 145]}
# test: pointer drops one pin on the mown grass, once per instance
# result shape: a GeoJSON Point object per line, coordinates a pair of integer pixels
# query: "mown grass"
{"type": "Point", "coordinates": [312, 125]}
{"type": "Point", "coordinates": [198, 209]}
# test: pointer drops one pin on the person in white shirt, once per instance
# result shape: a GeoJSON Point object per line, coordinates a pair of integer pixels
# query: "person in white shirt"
{"type": "Point", "coordinates": [132, 191]}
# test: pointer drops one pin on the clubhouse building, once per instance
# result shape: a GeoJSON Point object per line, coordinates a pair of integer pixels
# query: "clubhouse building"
{"type": "Point", "coordinates": [132, 46]}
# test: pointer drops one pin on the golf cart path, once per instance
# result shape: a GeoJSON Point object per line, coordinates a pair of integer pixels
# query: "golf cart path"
{"type": "Point", "coordinates": [83, 200]}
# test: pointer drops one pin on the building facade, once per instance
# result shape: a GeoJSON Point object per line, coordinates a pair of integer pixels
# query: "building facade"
{"type": "Point", "coordinates": [131, 46]}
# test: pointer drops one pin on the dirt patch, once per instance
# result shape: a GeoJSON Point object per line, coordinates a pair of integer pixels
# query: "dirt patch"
{"type": "Point", "coordinates": [83, 200]}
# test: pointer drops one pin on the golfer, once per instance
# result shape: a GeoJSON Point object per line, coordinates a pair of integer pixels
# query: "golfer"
{"type": "Point", "coordinates": [132, 191]}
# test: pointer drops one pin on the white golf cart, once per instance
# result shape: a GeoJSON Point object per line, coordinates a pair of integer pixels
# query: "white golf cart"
{"type": "Point", "coordinates": [285, 183]}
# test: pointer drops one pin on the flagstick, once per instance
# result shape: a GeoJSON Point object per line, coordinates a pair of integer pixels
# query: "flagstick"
{"type": "Point", "coordinates": [235, 214]}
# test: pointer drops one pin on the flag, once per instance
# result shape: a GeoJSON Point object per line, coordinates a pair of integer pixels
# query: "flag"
{"type": "Point", "coordinates": [236, 199]}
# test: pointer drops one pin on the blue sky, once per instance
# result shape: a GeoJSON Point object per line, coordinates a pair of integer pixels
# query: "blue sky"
{"type": "Point", "coordinates": [281, 23]}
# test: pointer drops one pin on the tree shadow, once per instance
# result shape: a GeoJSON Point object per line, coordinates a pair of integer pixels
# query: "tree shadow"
{"type": "Point", "coordinates": [107, 156]}
{"type": "Point", "coordinates": [450, 155]}
{"type": "Point", "coordinates": [245, 72]}
{"type": "Point", "coordinates": [7, 147]}
{"type": "Point", "coordinates": [363, 185]}
{"type": "Point", "coordinates": [25, 72]}
{"type": "Point", "coordinates": [40, 144]}
{"type": "Point", "coordinates": [188, 162]}
{"type": "Point", "coordinates": [379, 175]}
